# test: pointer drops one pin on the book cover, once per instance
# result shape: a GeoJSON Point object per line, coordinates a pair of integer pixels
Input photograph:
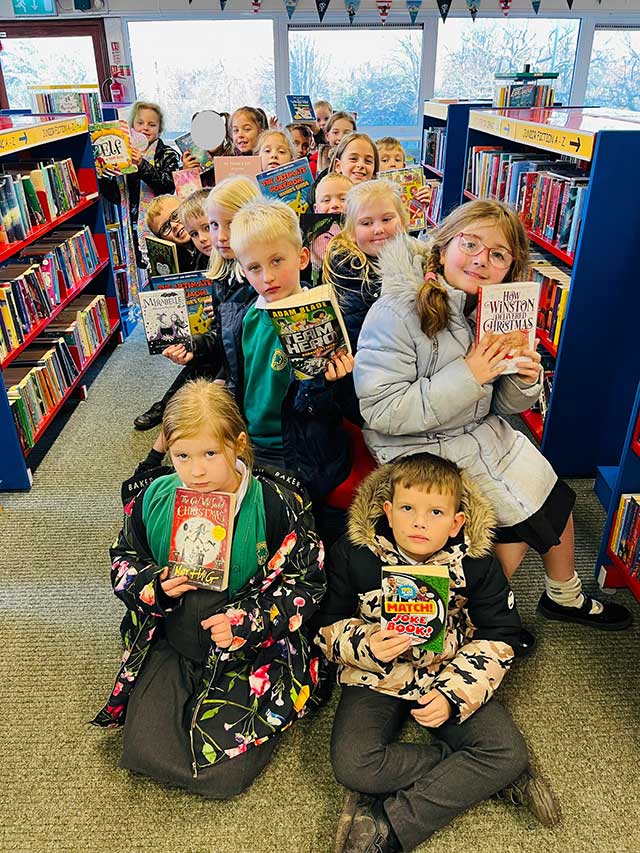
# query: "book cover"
{"type": "Point", "coordinates": [201, 536]}
{"type": "Point", "coordinates": [415, 601]}
{"type": "Point", "coordinates": [166, 319]}
{"type": "Point", "coordinates": [112, 148]}
{"type": "Point", "coordinates": [290, 183]}
{"type": "Point", "coordinates": [186, 182]}
{"type": "Point", "coordinates": [197, 290]}
{"type": "Point", "coordinates": [409, 181]}
{"type": "Point", "coordinates": [510, 310]}
{"type": "Point", "coordinates": [317, 230]}
{"type": "Point", "coordinates": [311, 330]}
{"type": "Point", "coordinates": [186, 143]}
{"type": "Point", "coordinates": [233, 167]}
{"type": "Point", "coordinates": [162, 256]}
{"type": "Point", "coordinates": [301, 109]}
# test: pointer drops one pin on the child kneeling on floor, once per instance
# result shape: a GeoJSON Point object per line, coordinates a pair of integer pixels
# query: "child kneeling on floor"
{"type": "Point", "coordinates": [211, 676]}
{"type": "Point", "coordinates": [421, 510]}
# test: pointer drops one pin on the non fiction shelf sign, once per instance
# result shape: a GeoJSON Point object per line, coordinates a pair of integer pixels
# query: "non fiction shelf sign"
{"type": "Point", "coordinates": [27, 137]}
{"type": "Point", "coordinates": [33, 8]}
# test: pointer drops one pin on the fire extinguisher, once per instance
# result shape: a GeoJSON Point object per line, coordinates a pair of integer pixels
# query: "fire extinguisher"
{"type": "Point", "coordinates": [117, 91]}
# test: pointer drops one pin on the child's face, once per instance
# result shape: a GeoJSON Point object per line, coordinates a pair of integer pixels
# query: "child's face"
{"type": "Point", "coordinates": [167, 224]}
{"type": "Point", "coordinates": [422, 522]}
{"type": "Point", "coordinates": [220, 229]}
{"type": "Point", "coordinates": [319, 245]}
{"type": "Point", "coordinates": [466, 272]}
{"type": "Point", "coordinates": [323, 114]}
{"type": "Point", "coordinates": [273, 269]}
{"type": "Point", "coordinates": [357, 162]}
{"type": "Point", "coordinates": [301, 142]}
{"type": "Point", "coordinates": [198, 229]}
{"type": "Point", "coordinates": [273, 153]}
{"type": "Point", "coordinates": [147, 122]}
{"type": "Point", "coordinates": [201, 464]}
{"type": "Point", "coordinates": [244, 132]}
{"type": "Point", "coordinates": [377, 221]}
{"type": "Point", "coordinates": [331, 194]}
{"type": "Point", "coordinates": [339, 128]}
{"type": "Point", "coordinates": [391, 158]}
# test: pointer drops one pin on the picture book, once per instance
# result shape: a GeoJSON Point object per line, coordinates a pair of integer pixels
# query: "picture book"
{"type": "Point", "coordinates": [290, 183]}
{"type": "Point", "coordinates": [510, 310]}
{"type": "Point", "coordinates": [162, 256]}
{"type": "Point", "coordinates": [232, 167]}
{"type": "Point", "coordinates": [409, 181]}
{"type": "Point", "coordinates": [166, 319]}
{"type": "Point", "coordinates": [201, 533]}
{"type": "Point", "coordinates": [186, 143]}
{"type": "Point", "coordinates": [112, 148]}
{"type": "Point", "coordinates": [311, 330]}
{"type": "Point", "coordinates": [301, 109]}
{"type": "Point", "coordinates": [197, 290]}
{"type": "Point", "coordinates": [317, 230]}
{"type": "Point", "coordinates": [186, 182]}
{"type": "Point", "coordinates": [414, 602]}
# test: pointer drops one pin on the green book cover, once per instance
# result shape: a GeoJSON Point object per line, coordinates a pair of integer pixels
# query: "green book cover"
{"type": "Point", "coordinates": [415, 601]}
{"type": "Point", "coordinates": [33, 202]}
{"type": "Point", "coordinates": [162, 255]}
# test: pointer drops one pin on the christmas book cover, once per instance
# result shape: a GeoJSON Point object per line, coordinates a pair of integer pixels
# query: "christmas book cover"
{"type": "Point", "coordinates": [510, 310]}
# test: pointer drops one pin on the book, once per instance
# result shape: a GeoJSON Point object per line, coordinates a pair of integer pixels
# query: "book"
{"type": "Point", "coordinates": [301, 109]}
{"type": "Point", "coordinates": [311, 330]}
{"type": "Point", "coordinates": [201, 535]}
{"type": "Point", "coordinates": [186, 182]}
{"type": "Point", "coordinates": [162, 256]}
{"type": "Point", "coordinates": [232, 167]}
{"type": "Point", "coordinates": [112, 148]}
{"type": "Point", "coordinates": [415, 601]}
{"type": "Point", "coordinates": [197, 291]}
{"type": "Point", "coordinates": [290, 183]}
{"type": "Point", "coordinates": [317, 230]}
{"type": "Point", "coordinates": [186, 143]}
{"type": "Point", "coordinates": [510, 310]}
{"type": "Point", "coordinates": [166, 319]}
{"type": "Point", "coordinates": [408, 181]}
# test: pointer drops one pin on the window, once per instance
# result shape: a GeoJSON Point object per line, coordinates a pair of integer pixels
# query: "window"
{"type": "Point", "coordinates": [614, 70]}
{"type": "Point", "coordinates": [470, 53]}
{"type": "Point", "coordinates": [186, 66]}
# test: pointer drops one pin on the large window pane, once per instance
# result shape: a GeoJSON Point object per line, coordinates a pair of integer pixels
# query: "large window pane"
{"type": "Point", "coordinates": [614, 70]}
{"type": "Point", "coordinates": [187, 66]}
{"type": "Point", "coordinates": [48, 61]}
{"type": "Point", "coordinates": [470, 53]}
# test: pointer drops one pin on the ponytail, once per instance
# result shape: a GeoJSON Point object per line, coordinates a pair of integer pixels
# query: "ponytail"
{"type": "Point", "coordinates": [431, 300]}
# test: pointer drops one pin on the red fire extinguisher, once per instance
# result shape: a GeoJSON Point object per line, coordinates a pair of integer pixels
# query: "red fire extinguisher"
{"type": "Point", "coordinates": [117, 90]}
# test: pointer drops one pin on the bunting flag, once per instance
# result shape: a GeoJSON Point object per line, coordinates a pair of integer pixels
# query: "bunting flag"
{"type": "Point", "coordinates": [289, 5]}
{"type": "Point", "coordinates": [383, 9]}
{"type": "Point", "coordinates": [223, 3]}
{"type": "Point", "coordinates": [570, 3]}
{"type": "Point", "coordinates": [505, 5]}
{"type": "Point", "coordinates": [413, 7]}
{"type": "Point", "coordinates": [352, 7]}
{"type": "Point", "coordinates": [536, 5]}
{"type": "Point", "coordinates": [443, 6]}
{"type": "Point", "coordinates": [322, 6]}
{"type": "Point", "coordinates": [255, 6]}
{"type": "Point", "coordinates": [473, 6]}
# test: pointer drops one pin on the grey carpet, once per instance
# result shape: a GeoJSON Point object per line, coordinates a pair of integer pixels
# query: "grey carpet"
{"type": "Point", "coordinates": [62, 789]}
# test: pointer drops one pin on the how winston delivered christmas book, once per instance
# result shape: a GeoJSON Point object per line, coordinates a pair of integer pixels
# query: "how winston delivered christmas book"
{"type": "Point", "coordinates": [510, 310]}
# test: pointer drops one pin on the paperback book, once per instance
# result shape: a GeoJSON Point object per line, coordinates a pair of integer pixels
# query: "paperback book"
{"type": "Point", "coordinates": [409, 181]}
{"type": "Point", "coordinates": [509, 310]}
{"type": "Point", "coordinates": [186, 143]}
{"type": "Point", "coordinates": [301, 109]}
{"type": "Point", "coordinates": [186, 182]}
{"type": "Point", "coordinates": [233, 167]}
{"type": "Point", "coordinates": [414, 602]}
{"type": "Point", "coordinates": [318, 229]}
{"type": "Point", "coordinates": [112, 148]}
{"type": "Point", "coordinates": [166, 319]}
{"type": "Point", "coordinates": [311, 330]}
{"type": "Point", "coordinates": [201, 536]}
{"type": "Point", "coordinates": [290, 183]}
{"type": "Point", "coordinates": [197, 291]}
{"type": "Point", "coordinates": [162, 256]}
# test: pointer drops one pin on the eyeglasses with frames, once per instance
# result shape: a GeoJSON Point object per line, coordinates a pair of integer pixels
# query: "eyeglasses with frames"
{"type": "Point", "coordinates": [471, 245]}
{"type": "Point", "coordinates": [165, 228]}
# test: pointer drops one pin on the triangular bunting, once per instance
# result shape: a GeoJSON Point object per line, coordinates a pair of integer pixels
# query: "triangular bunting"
{"type": "Point", "coordinates": [473, 6]}
{"type": "Point", "coordinates": [570, 3]}
{"type": "Point", "coordinates": [255, 6]}
{"type": "Point", "coordinates": [413, 7]}
{"type": "Point", "coordinates": [289, 5]}
{"type": "Point", "coordinates": [443, 6]}
{"type": "Point", "coordinates": [223, 3]}
{"type": "Point", "coordinates": [383, 9]}
{"type": "Point", "coordinates": [536, 5]}
{"type": "Point", "coordinates": [505, 5]}
{"type": "Point", "coordinates": [322, 6]}
{"type": "Point", "coordinates": [352, 7]}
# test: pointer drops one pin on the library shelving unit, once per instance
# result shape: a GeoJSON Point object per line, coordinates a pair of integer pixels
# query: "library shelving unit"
{"type": "Point", "coordinates": [596, 368]}
{"type": "Point", "coordinates": [611, 483]}
{"type": "Point", "coordinates": [39, 137]}
{"type": "Point", "coordinates": [453, 117]}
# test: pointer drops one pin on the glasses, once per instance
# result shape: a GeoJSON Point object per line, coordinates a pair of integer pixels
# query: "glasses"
{"type": "Point", "coordinates": [472, 246]}
{"type": "Point", "coordinates": [165, 228]}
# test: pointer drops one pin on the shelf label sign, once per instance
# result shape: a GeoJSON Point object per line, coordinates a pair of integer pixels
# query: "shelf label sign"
{"type": "Point", "coordinates": [434, 110]}
{"type": "Point", "coordinates": [572, 142]}
{"type": "Point", "coordinates": [26, 137]}
{"type": "Point", "coordinates": [33, 8]}
{"type": "Point", "coordinates": [485, 121]}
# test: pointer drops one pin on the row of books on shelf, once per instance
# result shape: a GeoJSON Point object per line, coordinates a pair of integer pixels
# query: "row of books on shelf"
{"type": "Point", "coordinates": [59, 100]}
{"type": "Point", "coordinates": [433, 147]}
{"type": "Point", "coordinates": [625, 535]}
{"type": "Point", "coordinates": [34, 193]}
{"type": "Point", "coordinates": [548, 194]}
{"type": "Point", "coordinates": [541, 406]}
{"type": "Point", "coordinates": [523, 94]}
{"type": "Point", "coordinates": [43, 373]}
{"type": "Point", "coordinates": [116, 245]}
{"type": "Point", "coordinates": [554, 294]}
{"type": "Point", "coordinates": [435, 202]}
{"type": "Point", "coordinates": [40, 278]}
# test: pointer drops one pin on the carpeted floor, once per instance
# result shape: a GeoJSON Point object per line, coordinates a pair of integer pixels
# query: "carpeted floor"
{"type": "Point", "coordinates": [62, 789]}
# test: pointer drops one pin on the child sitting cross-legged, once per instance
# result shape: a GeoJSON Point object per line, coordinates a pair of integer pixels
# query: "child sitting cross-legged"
{"type": "Point", "coordinates": [417, 510]}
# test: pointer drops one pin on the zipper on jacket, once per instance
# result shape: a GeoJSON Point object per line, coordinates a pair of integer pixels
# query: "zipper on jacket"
{"type": "Point", "coordinates": [434, 356]}
{"type": "Point", "coordinates": [194, 763]}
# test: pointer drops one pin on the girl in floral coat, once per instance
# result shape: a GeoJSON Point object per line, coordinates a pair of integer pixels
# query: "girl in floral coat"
{"type": "Point", "coordinates": [216, 674]}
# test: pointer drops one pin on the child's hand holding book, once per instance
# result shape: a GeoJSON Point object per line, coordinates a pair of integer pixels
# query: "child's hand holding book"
{"type": "Point", "coordinates": [529, 370]}
{"type": "Point", "coordinates": [175, 587]}
{"type": "Point", "coordinates": [436, 709]}
{"type": "Point", "coordinates": [338, 368]}
{"type": "Point", "coordinates": [190, 161]}
{"type": "Point", "coordinates": [178, 354]}
{"type": "Point", "coordinates": [388, 645]}
{"type": "Point", "coordinates": [484, 358]}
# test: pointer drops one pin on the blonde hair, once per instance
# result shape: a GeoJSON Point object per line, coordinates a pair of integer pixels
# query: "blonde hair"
{"type": "Point", "coordinates": [332, 176]}
{"type": "Point", "coordinates": [193, 206]}
{"type": "Point", "coordinates": [147, 105]}
{"type": "Point", "coordinates": [231, 195]}
{"type": "Point", "coordinates": [154, 209]}
{"type": "Point", "coordinates": [264, 221]}
{"type": "Point", "coordinates": [204, 405]}
{"type": "Point", "coordinates": [390, 143]}
{"type": "Point", "coordinates": [326, 104]}
{"type": "Point", "coordinates": [431, 300]}
{"type": "Point", "coordinates": [338, 152]}
{"type": "Point", "coordinates": [283, 135]}
{"type": "Point", "coordinates": [428, 473]}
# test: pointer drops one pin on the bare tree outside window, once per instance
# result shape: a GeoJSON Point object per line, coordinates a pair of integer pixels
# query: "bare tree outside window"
{"type": "Point", "coordinates": [614, 69]}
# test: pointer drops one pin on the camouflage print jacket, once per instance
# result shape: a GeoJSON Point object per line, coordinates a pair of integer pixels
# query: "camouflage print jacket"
{"type": "Point", "coordinates": [483, 624]}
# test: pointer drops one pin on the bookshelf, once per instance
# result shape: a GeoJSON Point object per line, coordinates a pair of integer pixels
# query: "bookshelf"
{"type": "Point", "coordinates": [89, 291]}
{"type": "Point", "coordinates": [596, 367]}
{"type": "Point", "coordinates": [612, 482]}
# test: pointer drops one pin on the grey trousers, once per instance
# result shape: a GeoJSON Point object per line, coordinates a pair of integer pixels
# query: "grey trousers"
{"type": "Point", "coordinates": [422, 786]}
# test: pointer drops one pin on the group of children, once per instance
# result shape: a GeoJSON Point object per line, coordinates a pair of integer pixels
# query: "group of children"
{"type": "Point", "coordinates": [209, 680]}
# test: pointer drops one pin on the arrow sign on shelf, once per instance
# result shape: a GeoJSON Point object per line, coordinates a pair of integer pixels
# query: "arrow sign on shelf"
{"type": "Point", "coordinates": [22, 138]}
{"type": "Point", "coordinates": [576, 144]}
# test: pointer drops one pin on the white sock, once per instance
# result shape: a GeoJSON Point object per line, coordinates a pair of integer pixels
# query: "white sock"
{"type": "Point", "coordinates": [569, 593]}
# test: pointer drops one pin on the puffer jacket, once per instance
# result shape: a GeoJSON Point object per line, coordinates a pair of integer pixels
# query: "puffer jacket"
{"type": "Point", "coordinates": [483, 624]}
{"type": "Point", "coordinates": [417, 394]}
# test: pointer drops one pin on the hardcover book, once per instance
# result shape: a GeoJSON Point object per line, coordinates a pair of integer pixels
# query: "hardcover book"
{"type": "Point", "coordinates": [197, 291]}
{"type": "Point", "coordinates": [290, 183]}
{"type": "Point", "coordinates": [166, 319]}
{"type": "Point", "coordinates": [414, 602]}
{"type": "Point", "coordinates": [162, 256]}
{"type": "Point", "coordinates": [201, 535]}
{"type": "Point", "coordinates": [112, 148]}
{"type": "Point", "coordinates": [409, 181]}
{"type": "Point", "coordinates": [186, 182]}
{"type": "Point", "coordinates": [301, 109]}
{"type": "Point", "coordinates": [317, 231]}
{"type": "Point", "coordinates": [311, 330]}
{"type": "Point", "coordinates": [186, 143]}
{"type": "Point", "coordinates": [510, 310]}
{"type": "Point", "coordinates": [232, 167]}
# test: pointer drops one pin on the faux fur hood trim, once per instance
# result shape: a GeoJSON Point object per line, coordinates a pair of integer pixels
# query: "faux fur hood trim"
{"type": "Point", "coordinates": [367, 510]}
{"type": "Point", "coordinates": [401, 263]}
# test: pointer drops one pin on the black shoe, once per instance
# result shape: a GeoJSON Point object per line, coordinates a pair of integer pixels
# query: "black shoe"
{"type": "Point", "coordinates": [526, 645]}
{"type": "Point", "coordinates": [536, 795]}
{"type": "Point", "coordinates": [614, 617]}
{"type": "Point", "coordinates": [152, 417]}
{"type": "Point", "coordinates": [371, 831]}
{"type": "Point", "coordinates": [351, 802]}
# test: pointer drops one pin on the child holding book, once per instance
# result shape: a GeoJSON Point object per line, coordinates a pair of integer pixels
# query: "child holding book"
{"type": "Point", "coordinates": [247, 123]}
{"type": "Point", "coordinates": [274, 148]}
{"type": "Point", "coordinates": [392, 156]}
{"type": "Point", "coordinates": [414, 511]}
{"type": "Point", "coordinates": [423, 384]}
{"type": "Point", "coordinates": [163, 220]}
{"type": "Point", "coordinates": [209, 678]}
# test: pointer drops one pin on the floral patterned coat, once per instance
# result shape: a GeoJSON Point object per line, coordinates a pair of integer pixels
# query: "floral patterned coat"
{"type": "Point", "coordinates": [268, 677]}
